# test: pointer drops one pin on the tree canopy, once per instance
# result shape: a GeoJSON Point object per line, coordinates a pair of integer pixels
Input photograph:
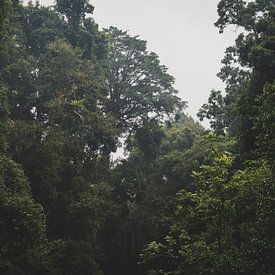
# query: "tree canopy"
{"type": "Point", "coordinates": [185, 200]}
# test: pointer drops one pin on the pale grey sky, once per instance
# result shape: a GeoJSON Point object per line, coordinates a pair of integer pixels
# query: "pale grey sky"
{"type": "Point", "coordinates": [181, 32]}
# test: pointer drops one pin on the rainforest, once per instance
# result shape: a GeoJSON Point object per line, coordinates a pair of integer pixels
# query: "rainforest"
{"type": "Point", "coordinates": [184, 199]}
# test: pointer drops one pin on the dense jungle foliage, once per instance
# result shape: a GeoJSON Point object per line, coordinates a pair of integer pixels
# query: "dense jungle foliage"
{"type": "Point", "coordinates": [184, 201]}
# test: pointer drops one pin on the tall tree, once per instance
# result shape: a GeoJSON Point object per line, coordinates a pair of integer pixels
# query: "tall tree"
{"type": "Point", "coordinates": [139, 87]}
{"type": "Point", "coordinates": [22, 219]}
{"type": "Point", "coordinates": [248, 67]}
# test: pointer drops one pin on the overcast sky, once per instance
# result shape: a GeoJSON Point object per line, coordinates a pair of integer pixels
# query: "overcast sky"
{"type": "Point", "coordinates": [181, 32]}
